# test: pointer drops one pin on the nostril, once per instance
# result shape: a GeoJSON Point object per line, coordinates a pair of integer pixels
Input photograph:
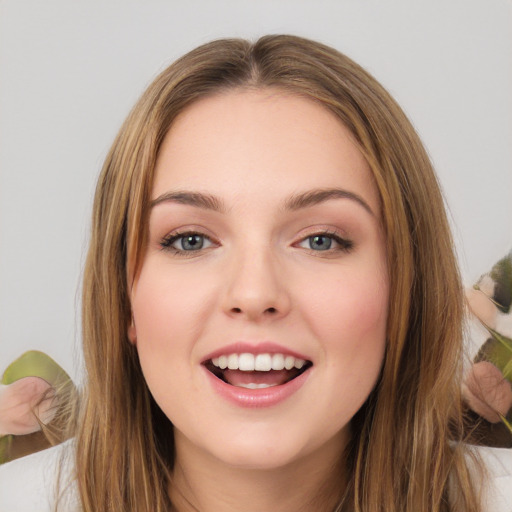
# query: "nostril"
{"type": "Point", "coordinates": [270, 310]}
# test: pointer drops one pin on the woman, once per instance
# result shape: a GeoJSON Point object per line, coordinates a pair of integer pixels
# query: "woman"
{"type": "Point", "coordinates": [272, 310]}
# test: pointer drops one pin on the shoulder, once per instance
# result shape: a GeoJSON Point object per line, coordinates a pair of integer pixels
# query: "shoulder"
{"type": "Point", "coordinates": [498, 465]}
{"type": "Point", "coordinates": [38, 482]}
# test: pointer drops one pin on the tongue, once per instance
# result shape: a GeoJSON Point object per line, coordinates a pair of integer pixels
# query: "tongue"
{"type": "Point", "coordinates": [271, 378]}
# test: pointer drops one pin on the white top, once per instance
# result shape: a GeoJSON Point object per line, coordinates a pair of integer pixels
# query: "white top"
{"type": "Point", "coordinates": [29, 484]}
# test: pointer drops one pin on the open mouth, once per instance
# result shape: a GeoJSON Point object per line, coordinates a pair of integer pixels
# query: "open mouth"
{"type": "Point", "coordinates": [257, 371]}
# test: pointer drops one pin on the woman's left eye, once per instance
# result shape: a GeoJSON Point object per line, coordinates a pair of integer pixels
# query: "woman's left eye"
{"type": "Point", "coordinates": [186, 242]}
{"type": "Point", "coordinates": [326, 242]}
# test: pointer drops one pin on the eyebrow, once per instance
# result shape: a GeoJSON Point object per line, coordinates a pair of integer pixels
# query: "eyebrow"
{"type": "Point", "coordinates": [295, 202]}
{"type": "Point", "coordinates": [317, 196]}
{"type": "Point", "coordinates": [197, 199]}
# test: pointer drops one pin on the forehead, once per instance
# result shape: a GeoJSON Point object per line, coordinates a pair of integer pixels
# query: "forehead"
{"type": "Point", "coordinates": [260, 141]}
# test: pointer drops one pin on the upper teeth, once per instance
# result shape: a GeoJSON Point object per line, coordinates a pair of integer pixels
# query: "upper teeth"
{"type": "Point", "coordinates": [261, 362]}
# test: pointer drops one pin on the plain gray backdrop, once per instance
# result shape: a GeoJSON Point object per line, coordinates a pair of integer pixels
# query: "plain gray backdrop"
{"type": "Point", "coordinates": [71, 70]}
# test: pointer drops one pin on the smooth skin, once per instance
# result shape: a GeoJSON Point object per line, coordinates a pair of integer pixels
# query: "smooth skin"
{"type": "Point", "coordinates": [251, 251]}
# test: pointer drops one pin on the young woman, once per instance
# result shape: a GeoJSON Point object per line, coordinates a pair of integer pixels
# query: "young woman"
{"type": "Point", "coordinates": [272, 309]}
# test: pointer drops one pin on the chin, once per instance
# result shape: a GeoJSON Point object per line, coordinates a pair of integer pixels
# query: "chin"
{"type": "Point", "coordinates": [267, 449]}
{"type": "Point", "coordinates": [258, 458]}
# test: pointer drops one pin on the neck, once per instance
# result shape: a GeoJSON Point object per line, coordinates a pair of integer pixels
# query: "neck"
{"type": "Point", "coordinates": [202, 483]}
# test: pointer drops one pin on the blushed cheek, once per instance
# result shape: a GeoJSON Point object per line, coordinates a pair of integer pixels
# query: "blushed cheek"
{"type": "Point", "coordinates": [154, 310]}
{"type": "Point", "coordinates": [364, 344]}
{"type": "Point", "coordinates": [372, 311]}
{"type": "Point", "coordinates": [355, 310]}
{"type": "Point", "coordinates": [169, 309]}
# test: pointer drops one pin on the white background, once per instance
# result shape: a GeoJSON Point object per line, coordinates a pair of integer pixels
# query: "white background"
{"type": "Point", "coordinates": [70, 71]}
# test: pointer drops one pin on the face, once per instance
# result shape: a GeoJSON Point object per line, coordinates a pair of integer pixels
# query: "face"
{"type": "Point", "coordinates": [260, 308]}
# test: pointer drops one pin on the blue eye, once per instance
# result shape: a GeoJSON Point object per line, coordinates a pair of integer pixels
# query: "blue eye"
{"type": "Point", "coordinates": [319, 242]}
{"type": "Point", "coordinates": [326, 242]}
{"type": "Point", "coordinates": [186, 242]}
{"type": "Point", "coordinates": [190, 242]}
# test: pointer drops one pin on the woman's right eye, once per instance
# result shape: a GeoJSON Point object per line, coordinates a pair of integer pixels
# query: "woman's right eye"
{"type": "Point", "coordinates": [186, 242]}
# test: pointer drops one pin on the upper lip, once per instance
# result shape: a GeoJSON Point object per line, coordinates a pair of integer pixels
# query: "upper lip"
{"type": "Point", "coordinates": [265, 347]}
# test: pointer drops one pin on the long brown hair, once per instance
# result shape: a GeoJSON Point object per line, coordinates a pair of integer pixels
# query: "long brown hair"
{"type": "Point", "coordinates": [405, 448]}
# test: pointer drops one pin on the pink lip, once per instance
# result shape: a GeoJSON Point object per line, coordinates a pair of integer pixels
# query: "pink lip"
{"type": "Point", "coordinates": [255, 398]}
{"type": "Point", "coordinates": [265, 347]}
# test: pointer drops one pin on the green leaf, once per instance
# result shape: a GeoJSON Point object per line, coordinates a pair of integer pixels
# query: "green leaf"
{"type": "Point", "coordinates": [506, 423]}
{"type": "Point", "coordinates": [31, 364]}
{"type": "Point", "coordinates": [4, 447]}
{"type": "Point", "coordinates": [35, 364]}
{"type": "Point", "coordinates": [507, 371]}
{"type": "Point", "coordinates": [498, 351]}
{"type": "Point", "coordinates": [506, 342]}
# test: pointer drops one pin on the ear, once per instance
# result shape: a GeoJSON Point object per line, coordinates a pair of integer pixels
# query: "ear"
{"type": "Point", "coordinates": [132, 332]}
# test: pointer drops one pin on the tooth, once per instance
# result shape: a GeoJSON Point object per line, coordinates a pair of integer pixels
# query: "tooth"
{"type": "Point", "coordinates": [289, 362]}
{"type": "Point", "coordinates": [277, 362]}
{"type": "Point", "coordinates": [246, 362]}
{"type": "Point", "coordinates": [233, 361]}
{"type": "Point", "coordinates": [299, 363]}
{"type": "Point", "coordinates": [253, 385]}
{"type": "Point", "coordinates": [249, 385]}
{"type": "Point", "coordinates": [263, 363]}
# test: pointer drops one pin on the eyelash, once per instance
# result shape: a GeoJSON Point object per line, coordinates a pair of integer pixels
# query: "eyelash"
{"type": "Point", "coordinates": [343, 244]}
{"type": "Point", "coordinates": [167, 242]}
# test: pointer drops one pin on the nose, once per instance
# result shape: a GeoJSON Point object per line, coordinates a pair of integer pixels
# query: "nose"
{"type": "Point", "coordinates": [256, 287]}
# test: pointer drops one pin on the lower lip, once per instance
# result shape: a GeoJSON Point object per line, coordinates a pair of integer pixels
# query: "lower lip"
{"type": "Point", "coordinates": [256, 398]}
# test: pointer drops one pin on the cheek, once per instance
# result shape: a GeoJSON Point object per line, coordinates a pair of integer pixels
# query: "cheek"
{"type": "Point", "coordinates": [350, 318]}
{"type": "Point", "coordinates": [351, 308]}
{"type": "Point", "coordinates": [168, 304]}
{"type": "Point", "coordinates": [165, 309]}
